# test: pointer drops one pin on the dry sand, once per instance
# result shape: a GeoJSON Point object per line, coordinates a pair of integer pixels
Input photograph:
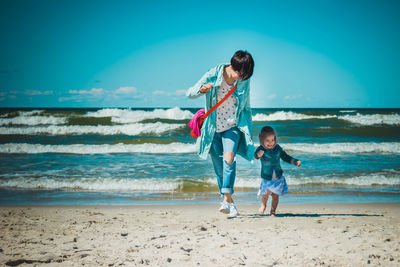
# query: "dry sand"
{"type": "Point", "coordinates": [198, 235]}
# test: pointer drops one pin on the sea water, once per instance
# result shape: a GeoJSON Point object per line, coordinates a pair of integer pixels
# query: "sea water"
{"type": "Point", "coordinates": [147, 156]}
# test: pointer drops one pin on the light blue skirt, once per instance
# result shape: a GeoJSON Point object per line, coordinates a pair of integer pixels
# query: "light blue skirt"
{"type": "Point", "coordinates": [278, 187]}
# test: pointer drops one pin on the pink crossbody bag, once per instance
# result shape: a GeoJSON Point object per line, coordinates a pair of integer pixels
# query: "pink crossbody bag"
{"type": "Point", "coordinates": [197, 121]}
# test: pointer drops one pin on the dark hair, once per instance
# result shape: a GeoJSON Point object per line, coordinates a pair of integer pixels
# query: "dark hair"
{"type": "Point", "coordinates": [243, 63]}
{"type": "Point", "coordinates": [267, 131]}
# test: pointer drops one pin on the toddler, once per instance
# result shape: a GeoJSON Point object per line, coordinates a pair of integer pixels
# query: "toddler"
{"type": "Point", "coordinates": [273, 182]}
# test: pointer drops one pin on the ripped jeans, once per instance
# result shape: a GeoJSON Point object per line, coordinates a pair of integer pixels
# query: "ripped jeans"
{"type": "Point", "coordinates": [223, 142]}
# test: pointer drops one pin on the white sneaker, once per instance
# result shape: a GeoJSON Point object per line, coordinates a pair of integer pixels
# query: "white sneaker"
{"type": "Point", "coordinates": [224, 207]}
{"type": "Point", "coordinates": [232, 211]}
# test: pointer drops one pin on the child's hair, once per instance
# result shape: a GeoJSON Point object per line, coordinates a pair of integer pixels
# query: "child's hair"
{"type": "Point", "coordinates": [243, 63]}
{"type": "Point", "coordinates": [267, 131]}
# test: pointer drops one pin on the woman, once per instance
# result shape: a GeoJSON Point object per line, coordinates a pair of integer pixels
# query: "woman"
{"type": "Point", "coordinates": [228, 130]}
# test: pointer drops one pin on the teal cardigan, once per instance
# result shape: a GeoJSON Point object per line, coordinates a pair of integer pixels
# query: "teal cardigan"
{"type": "Point", "coordinates": [243, 113]}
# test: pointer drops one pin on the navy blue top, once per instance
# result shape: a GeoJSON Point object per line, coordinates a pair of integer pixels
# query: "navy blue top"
{"type": "Point", "coordinates": [270, 161]}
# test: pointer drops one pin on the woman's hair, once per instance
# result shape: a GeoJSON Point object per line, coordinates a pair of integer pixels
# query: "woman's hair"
{"type": "Point", "coordinates": [267, 131]}
{"type": "Point", "coordinates": [243, 63]}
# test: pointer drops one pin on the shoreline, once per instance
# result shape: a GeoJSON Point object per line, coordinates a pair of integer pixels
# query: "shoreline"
{"type": "Point", "coordinates": [198, 235]}
{"type": "Point", "coordinates": [291, 205]}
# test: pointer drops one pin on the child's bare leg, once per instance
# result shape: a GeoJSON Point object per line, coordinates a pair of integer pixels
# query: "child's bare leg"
{"type": "Point", "coordinates": [264, 203]}
{"type": "Point", "coordinates": [274, 205]}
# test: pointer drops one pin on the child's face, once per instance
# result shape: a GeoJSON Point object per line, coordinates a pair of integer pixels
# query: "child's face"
{"type": "Point", "coordinates": [269, 141]}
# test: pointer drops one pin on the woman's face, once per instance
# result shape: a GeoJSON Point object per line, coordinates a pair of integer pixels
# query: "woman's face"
{"type": "Point", "coordinates": [269, 141]}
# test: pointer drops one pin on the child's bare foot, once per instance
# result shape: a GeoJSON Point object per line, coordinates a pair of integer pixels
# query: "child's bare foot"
{"type": "Point", "coordinates": [262, 209]}
{"type": "Point", "coordinates": [272, 214]}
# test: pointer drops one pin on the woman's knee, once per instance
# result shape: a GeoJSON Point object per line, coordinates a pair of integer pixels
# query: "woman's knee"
{"type": "Point", "coordinates": [275, 196]}
{"type": "Point", "coordinates": [229, 156]}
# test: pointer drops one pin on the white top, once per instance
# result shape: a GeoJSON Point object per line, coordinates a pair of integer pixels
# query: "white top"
{"type": "Point", "coordinates": [226, 112]}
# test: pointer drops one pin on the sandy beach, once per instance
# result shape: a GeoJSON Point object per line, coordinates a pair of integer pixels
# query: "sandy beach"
{"type": "Point", "coordinates": [198, 235]}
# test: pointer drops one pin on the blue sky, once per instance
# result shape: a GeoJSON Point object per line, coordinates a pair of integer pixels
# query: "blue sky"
{"type": "Point", "coordinates": [147, 53]}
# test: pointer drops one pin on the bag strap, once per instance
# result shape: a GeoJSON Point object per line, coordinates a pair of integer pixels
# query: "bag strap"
{"type": "Point", "coordinates": [220, 102]}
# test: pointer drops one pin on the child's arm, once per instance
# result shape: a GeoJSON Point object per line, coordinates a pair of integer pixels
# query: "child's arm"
{"type": "Point", "coordinates": [259, 153]}
{"type": "Point", "coordinates": [194, 91]}
{"type": "Point", "coordinates": [289, 159]}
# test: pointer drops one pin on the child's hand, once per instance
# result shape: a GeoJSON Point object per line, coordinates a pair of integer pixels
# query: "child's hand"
{"type": "Point", "coordinates": [298, 163]}
{"type": "Point", "coordinates": [205, 88]}
{"type": "Point", "coordinates": [260, 153]}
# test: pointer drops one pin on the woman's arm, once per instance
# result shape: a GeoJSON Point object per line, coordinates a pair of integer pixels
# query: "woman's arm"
{"type": "Point", "coordinates": [194, 91]}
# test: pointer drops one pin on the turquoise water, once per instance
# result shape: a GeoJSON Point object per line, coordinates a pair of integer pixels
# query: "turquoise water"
{"type": "Point", "coordinates": [146, 156]}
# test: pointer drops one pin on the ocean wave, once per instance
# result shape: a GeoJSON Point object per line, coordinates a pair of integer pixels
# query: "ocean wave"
{"type": "Point", "coordinates": [383, 178]}
{"type": "Point", "coordinates": [373, 119]}
{"type": "Point", "coordinates": [177, 147]}
{"type": "Point", "coordinates": [33, 120]}
{"type": "Point", "coordinates": [98, 149]}
{"type": "Point", "coordinates": [131, 116]}
{"type": "Point", "coordinates": [126, 129]}
{"type": "Point", "coordinates": [288, 115]}
{"type": "Point", "coordinates": [347, 111]}
{"type": "Point", "coordinates": [120, 116]}
{"type": "Point", "coordinates": [377, 179]}
{"type": "Point", "coordinates": [22, 113]}
{"type": "Point", "coordinates": [334, 148]}
{"type": "Point", "coordinates": [359, 119]}
{"type": "Point", "coordinates": [97, 184]}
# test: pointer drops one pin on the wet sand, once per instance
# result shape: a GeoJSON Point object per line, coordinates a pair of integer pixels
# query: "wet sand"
{"type": "Point", "coordinates": [198, 235]}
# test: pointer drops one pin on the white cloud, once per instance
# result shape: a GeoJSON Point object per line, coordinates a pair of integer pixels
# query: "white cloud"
{"type": "Point", "coordinates": [80, 95]}
{"type": "Point", "coordinates": [292, 97]}
{"type": "Point", "coordinates": [126, 90]}
{"type": "Point", "coordinates": [271, 96]}
{"type": "Point", "coordinates": [96, 94]}
{"type": "Point", "coordinates": [77, 98]}
{"type": "Point", "coordinates": [159, 92]}
{"type": "Point", "coordinates": [176, 93]}
{"type": "Point", "coordinates": [35, 92]}
{"type": "Point", "coordinates": [93, 92]}
{"type": "Point", "coordinates": [180, 92]}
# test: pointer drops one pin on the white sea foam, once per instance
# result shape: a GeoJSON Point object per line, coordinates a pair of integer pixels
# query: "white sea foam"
{"type": "Point", "coordinates": [360, 119]}
{"type": "Point", "coordinates": [130, 116]}
{"type": "Point", "coordinates": [31, 112]}
{"type": "Point", "coordinates": [363, 180]}
{"type": "Point", "coordinates": [390, 119]}
{"type": "Point", "coordinates": [384, 178]}
{"type": "Point", "coordinates": [33, 120]}
{"type": "Point", "coordinates": [121, 116]}
{"type": "Point", "coordinates": [288, 115]}
{"type": "Point", "coordinates": [97, 184]}
{"type": "Point", "coordinates": [98, 149]}
{"type": "Point", "coordinates": [335, 148]}
{"type": "Point", "coordinates": [380, 178]}
{"type": "Point", "coordinates": [176, 147]}
{"type": "Point", "coordinates": [126, 129]}
{"type": "Point", "coordinates": [347, 111]}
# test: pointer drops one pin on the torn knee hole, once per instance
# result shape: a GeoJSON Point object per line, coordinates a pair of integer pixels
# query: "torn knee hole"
{"type": "Point", "coordinates": [229, 158]}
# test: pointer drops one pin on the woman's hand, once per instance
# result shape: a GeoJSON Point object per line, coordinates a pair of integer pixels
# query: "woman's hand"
{"type": "Point", "coordinates": [298, 163]}
{"type": "Point", "coordinates": [205, 88]}
{"type": "Point", "coordinates": [260, 153]}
